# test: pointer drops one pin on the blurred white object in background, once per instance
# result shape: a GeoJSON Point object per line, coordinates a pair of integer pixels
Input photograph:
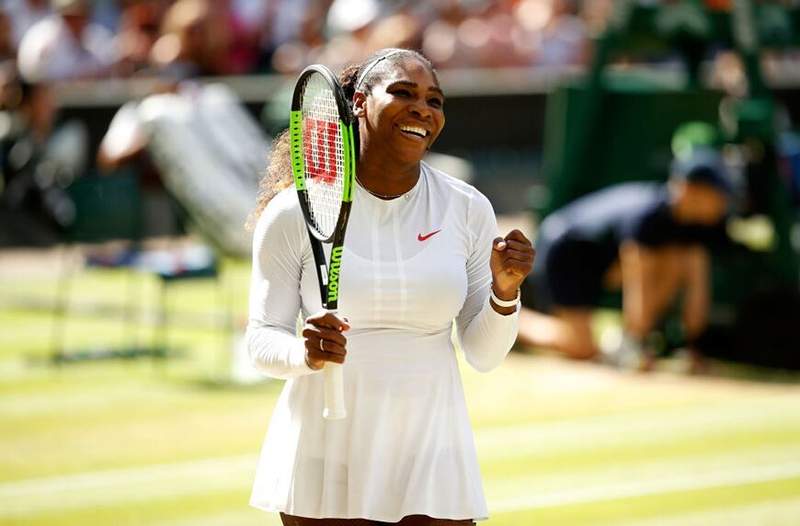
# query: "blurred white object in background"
{"type": "Point", "coordinates": [452, 165]}
{"type": "Point", "coordinates": [211, 155]}
{"type": "Point", "coordinates": [189, 258]}
{"type": "Point", "coordinates": [66, 45]}
{"type": "Point", "coordinates": [25, 14]}
{"type": "Point", "coordinates": [346, 16]}
{"type": "Point", "coordinates": [69, 147]}
{"type": "Point", "coordinates": [124, 131]}
{"type": "Point", "coordinates": [756, 232]}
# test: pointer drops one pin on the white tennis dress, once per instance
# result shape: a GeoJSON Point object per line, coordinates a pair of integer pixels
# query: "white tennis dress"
{"type": "Point", "coordinates": [411, 266]}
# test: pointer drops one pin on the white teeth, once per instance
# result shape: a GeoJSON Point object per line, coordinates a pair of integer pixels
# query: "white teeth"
{"type": "Point", "coordinates": [415, 130]}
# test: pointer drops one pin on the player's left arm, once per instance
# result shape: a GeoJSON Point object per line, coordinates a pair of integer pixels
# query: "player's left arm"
{"type": "Point", "coordinates": [486, 331]}
{"type": "Point", "coordinates": [511, 262]}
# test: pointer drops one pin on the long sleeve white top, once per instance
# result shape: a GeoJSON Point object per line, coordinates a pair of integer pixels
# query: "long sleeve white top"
{"type": "Point", "coordinates": [411, 267]}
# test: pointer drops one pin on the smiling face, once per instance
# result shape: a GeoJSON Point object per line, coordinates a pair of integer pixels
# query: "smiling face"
{"type": "Point", "coordinates": [403, 113]}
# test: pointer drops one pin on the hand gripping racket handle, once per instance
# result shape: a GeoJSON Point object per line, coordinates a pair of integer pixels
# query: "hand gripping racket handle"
{"type": "Point", "coordinates": [334, 390]}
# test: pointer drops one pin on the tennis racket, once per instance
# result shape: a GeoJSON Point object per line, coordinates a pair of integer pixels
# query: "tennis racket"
{"type": "Point", "coordinates": [323, 166]}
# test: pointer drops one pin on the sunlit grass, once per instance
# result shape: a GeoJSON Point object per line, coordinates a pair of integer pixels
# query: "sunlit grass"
{"type": "Point", "coordinates": [173, 441]}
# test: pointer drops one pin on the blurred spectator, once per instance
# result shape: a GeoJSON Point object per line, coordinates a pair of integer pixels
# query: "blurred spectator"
{"type": "Point", "coordinates": [124, 148]}
{"type": "Point", "coordinates": [237, 39]}
{"type": "Point", "coordinates": [506, 33]}
{"type": "Point", "coordinates": [292, 30]}
{"type": "Point", "coordinates": [596, 14]}
{"type": "Point", "coordinates": [8, 48]}
{"type": "Point", "coordinates": [69, 39]}
{"type": "Point", "coordinates": [485, 37]}
{"type": "Point", "coordinates": [398, 30]}
{"type": "Point", "coordinates": [439, 37]}
{"type": "Point", "coordinates": [106, 13]}
{"type": "Point", "coordinates": [650, 240]}
{"type": "Point", "coordinates": [295, 35]}
{"type": "Point", "coordinates": [349, 34]}
{"type": "Point", "coordinates": [182, 46]}
{"type": "Point", "coordinates": [252, 13]}
{"type": "Point", "coordinates": [66, 45]}
{"type": "Point", "coordinates": [199, 37]}
{"type": "Point", "coordinates": [198, 141]}
{"type": "Point", "coordinates": [24, 14]}
{"type": "Point", "coordinates": [138, 31]}
{"type": "Point", "coordinates": [38, 162]}
{"type": "Point", "coordinates": [563, 39]}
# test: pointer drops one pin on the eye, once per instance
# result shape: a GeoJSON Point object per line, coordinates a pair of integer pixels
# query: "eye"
{"type": "Point", "coordinates": [401, 92]}
{"type": "Point", "coordinates": [436, 102]}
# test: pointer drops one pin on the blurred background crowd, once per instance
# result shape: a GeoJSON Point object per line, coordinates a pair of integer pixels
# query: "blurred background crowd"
{"type": "Point", "coordinates": [73, 39]}
{"type": "Point", "coordinates": [46, 44]}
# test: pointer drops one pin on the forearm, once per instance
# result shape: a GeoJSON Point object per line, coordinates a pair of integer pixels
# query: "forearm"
{"type": "Point", "coordinates": [634, 304]}
{"type": "Point", "coordinates": [489, 336]}
{"type": "Point", "coordinates": [486, 328]}
{"type": "Point", "coordinates": [697, 296]}
{"type": "Point", "coordinates": [505, 295]}
{"type": "Point", "coordinates": [276, 352]}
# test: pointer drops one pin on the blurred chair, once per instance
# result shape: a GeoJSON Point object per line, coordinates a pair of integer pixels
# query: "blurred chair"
{"type": "Point", "coordinates": [109, 209]}
{"type": "Point", "coordinates": [176, 265]}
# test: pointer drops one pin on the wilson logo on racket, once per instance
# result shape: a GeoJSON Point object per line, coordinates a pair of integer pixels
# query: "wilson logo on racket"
{"type": "Point", "coordinates": [319, 142]}
{"type": "Point", "coordinates": [333, 273]}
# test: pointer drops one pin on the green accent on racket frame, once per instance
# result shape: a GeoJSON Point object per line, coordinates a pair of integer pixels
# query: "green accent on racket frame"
{"type": "Point", "coordinates": [296, 138]}
{"type": "Point", "coordinates": [347, 140]}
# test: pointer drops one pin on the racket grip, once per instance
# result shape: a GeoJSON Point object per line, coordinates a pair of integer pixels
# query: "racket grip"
{"type": "Point", "coordinates": [334, 392]}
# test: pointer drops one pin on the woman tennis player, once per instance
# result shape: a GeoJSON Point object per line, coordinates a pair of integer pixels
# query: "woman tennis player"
{"type": "Point", "coordinates": [421, 251]}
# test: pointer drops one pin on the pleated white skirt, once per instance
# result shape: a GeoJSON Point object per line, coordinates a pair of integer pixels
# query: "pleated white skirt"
{"type": "Point", "coordinates": [405, 448]}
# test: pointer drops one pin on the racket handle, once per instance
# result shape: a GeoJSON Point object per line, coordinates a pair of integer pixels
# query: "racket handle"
{"type": "Point", "coordinates": [334, 392]}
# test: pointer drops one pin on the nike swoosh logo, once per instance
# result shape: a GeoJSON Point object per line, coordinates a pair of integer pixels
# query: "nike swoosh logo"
{"type": "Point", "coordinates": [420, 237]}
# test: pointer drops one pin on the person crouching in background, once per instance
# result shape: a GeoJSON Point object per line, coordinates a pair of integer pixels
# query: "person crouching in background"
{"type": "Point", "coordinates": [651, 240]}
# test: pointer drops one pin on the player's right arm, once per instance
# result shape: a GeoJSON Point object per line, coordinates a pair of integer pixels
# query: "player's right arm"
{"type": "Point", "coordinates": [278, 243]}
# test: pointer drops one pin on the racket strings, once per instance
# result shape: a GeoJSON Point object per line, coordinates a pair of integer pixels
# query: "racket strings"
{"type": "Point", "coordinates": [323, 155]}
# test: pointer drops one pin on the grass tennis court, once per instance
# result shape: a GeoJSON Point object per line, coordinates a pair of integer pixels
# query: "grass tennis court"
{"type": "Point", "coordinates": [171, 443]}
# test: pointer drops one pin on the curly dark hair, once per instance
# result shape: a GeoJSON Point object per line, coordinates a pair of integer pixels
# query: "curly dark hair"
{"type": "Point", "coordinates": [278, 175]}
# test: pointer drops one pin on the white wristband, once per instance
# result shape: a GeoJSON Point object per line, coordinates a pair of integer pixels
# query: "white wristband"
{"type": "Point", "coordinates": [503, 303]}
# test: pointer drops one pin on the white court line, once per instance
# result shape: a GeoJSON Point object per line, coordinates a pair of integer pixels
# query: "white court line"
{"type": "Point", "coordinates": [637, 428]}
{"type": "Point", "coordinates": [611, 472]}
{"type": "Point", "coordinates": [241, 517]}
{"type": "Point", "coordinates": [777, 512]}
{"type": "Point", "coordinates": [92, 480]}
{"type": "Point", "coordinates": [205, 476]}
{"type": "Point", "coordinates": [667, 484]}
{"type": "Point", "coordinates": [109, 487]}
{"type": "Point", "coordinates": [171, 480]}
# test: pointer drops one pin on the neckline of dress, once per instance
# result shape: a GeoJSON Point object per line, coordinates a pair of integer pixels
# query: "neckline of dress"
{"type": "Point", "coordinates": [405, 196]}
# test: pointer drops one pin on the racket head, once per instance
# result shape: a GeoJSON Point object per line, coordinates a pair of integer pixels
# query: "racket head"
{"type": "Point", "coordinates": [323, 151]}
